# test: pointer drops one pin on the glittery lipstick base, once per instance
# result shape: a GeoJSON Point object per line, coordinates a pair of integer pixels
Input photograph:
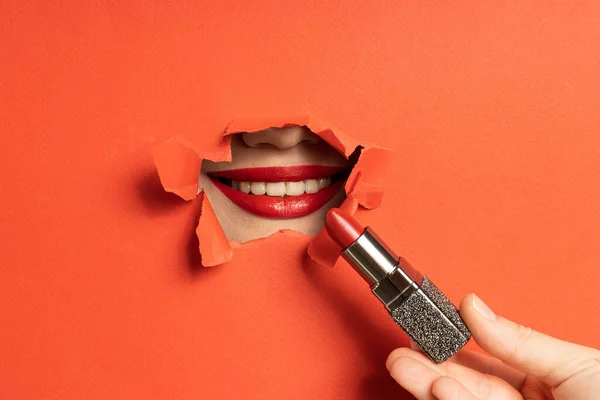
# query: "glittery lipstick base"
{"type": "Point", "coordinates": [432, 321]}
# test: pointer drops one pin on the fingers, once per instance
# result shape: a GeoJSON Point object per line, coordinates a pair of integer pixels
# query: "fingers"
{"type": "Point", "coordinates": [490, 366]}
{"type": "Point", "coordinates": [414, 376]}
{"type": "Point", "coordinates": [417, 374]}
{"type": "Point", "coordinates": [584, 385]}
{"type": "Point", "coordinates": [542, 356]}
{"type": "Point", "coordinates": [486, 365]}
{"type": "Point", "coordinates": [446, 388]}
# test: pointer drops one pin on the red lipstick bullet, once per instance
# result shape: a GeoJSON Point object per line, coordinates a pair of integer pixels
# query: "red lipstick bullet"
{"type": "Point", "coordinates": [342, 228]}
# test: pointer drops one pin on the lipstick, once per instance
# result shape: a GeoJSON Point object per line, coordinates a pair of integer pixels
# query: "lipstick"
{"type": "Point", "coordinates": [412, 300]}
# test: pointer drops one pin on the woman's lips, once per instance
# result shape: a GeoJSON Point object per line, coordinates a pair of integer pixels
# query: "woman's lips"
{"type": "Point", "coordinates": [277, 179]}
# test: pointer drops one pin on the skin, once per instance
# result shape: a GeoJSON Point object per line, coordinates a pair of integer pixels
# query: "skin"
{"type": "Point", "coordinates": [525, 364]}
{"type": "Point", "coordinates": [295, 145]}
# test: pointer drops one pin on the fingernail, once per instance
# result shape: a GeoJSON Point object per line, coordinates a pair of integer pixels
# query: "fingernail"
{"type": "Point", "coordinates": [482, 308]}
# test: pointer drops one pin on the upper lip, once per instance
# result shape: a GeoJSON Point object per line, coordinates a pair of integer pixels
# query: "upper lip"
{"type": "Point", "coordinates": [279, 174]}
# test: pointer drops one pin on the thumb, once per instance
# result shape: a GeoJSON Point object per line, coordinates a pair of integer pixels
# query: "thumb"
{"type": "Point", "coordinates": [552, 360]}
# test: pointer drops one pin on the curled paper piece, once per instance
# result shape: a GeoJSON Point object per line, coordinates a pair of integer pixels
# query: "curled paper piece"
{"type": "Point", "coordinates": [367, 178]}
{"type": "Point", "coordinates": [179, 161]}
{"type": "Point", "coordinates": [178, 166]}
{"type": "Point", "coordinates": [214, 247]}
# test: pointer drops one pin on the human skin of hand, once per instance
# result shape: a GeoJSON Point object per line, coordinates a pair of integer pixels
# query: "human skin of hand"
{"type": "Point", "coordinates": [525, 364]}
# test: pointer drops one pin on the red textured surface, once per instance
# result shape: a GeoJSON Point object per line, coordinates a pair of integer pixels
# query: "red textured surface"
{"type": "Point", "coordinates": [490, 107]}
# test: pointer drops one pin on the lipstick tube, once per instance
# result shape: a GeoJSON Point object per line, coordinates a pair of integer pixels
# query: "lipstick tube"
{"type": "Point", "coordinates": [412, 300]}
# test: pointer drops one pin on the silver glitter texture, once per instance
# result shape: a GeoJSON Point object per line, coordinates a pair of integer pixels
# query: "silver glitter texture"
{"type": "Point", "coordinates": [432, 322]}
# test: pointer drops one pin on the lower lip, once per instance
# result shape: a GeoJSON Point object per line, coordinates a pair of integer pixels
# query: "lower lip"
{"type": "Point", "coordinates": [280, 207]}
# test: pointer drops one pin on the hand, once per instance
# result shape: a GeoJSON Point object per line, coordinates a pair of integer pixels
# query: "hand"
{"type": "Point", "coordinates": [527, 364]}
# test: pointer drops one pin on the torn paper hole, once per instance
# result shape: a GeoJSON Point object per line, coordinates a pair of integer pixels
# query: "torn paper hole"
{"type": "Point", "coordinates": [178, 163]}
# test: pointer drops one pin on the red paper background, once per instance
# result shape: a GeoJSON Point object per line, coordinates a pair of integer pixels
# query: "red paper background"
{"type": "Point", "coordinates": [493, 110]}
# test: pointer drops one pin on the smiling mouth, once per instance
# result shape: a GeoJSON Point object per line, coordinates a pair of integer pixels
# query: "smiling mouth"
{"type": "Point", "coordinates": [281, 192]}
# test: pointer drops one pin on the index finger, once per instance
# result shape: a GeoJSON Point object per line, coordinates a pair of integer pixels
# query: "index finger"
{"type": "Point", "coordinates": [552, 360]}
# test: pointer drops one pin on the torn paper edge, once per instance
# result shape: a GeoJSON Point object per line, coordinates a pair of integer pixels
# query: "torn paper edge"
{"type": "Point", "coordinates": [179, 162]}
{"type": "Point", "coordinates": [213, 245]}
{"type": "Point", "coordinates": [178, 166]}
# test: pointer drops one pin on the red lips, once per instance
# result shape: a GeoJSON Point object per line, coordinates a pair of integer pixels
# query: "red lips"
{"type": "Point", "coordinates": [279, 207]}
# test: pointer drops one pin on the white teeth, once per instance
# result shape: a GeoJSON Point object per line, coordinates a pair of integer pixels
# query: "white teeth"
{"type": "Point", "coordinates": [282, 188]}
{"type": "Point", "coordinates": [274, 188]}
{"type": "Point", "coordinates": [320, 183]}
{"type": "Point", "coordinates": [311, 186]}
{"type": "Point", "coordinates": [294, 188]}
{"type": "Point", "coordinates": [258, 188]}
{"type": "Point", "coordinates": [244, 187]}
